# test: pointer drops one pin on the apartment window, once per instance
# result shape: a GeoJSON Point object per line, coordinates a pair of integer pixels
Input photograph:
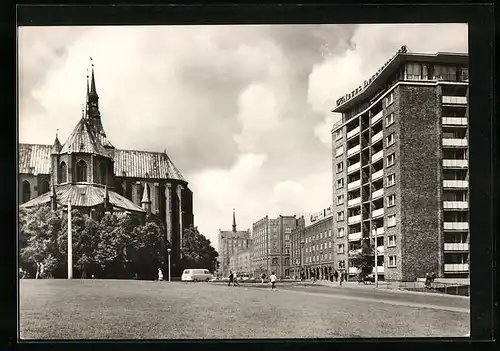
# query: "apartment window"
{"type": "Point", "coordinates": [413, 71]}
{"type": "Point", "coordinates": [391, 261]}
{"type": "Point", "coordinates": [391, 241]}
{"type": "Point", "coordinates": [340, 249]}
{"type": "Point", "coordinates": [340, 151]}
{"type": "Point", "coordinates": [329, 244]}
{"type": "Point", "coordinates": [391, 180]}
{"type": "Point", "coordinates": [329, 232]}
{"type": "Point", "coordinates": [391, 221]}
{"type": "Point", "coordinates": [389, 120]}
{"type": "Point", "coordinates": [341, 264]}
{"type": "Point", "coordinates": [340, 183]}
{"type": "Point", "coordinates": [340, 199]}
{"type": "Point", "coordinates": [391, 200]}
{"type": "Point", "coordinates": [389, 140]}
{"type": "Point", "coordinates": [340, 216]}
{"type": "Point", "coordinates": [340, 232]}
{"type": "Point", "coordinates": [390, 159]}
{"type": "Point", "coordinates": [330, 256]}
{"type": "Point", "coordinates": [340, 167]}
{"type": "Point", "coordinates": [389, 99]}
{"type": "Point", "coordinates": [338, 135]}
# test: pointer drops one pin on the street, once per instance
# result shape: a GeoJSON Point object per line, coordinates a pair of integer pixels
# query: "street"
{"type": "Point", "coordinates": [103, 309]}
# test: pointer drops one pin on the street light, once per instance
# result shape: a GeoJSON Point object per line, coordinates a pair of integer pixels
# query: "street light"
{"type": "Point", "coordinates": [376, 254]}
{"type": "Point", "coordinates": [168, 252]}
{"type": "Point", "coordinates": [301, 263]}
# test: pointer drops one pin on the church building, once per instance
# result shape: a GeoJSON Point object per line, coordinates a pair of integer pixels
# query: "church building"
{"type": "Point", "coordinates": [94, 176]}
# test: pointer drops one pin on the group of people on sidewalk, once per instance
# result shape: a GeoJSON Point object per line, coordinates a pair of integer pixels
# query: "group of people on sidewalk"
{"type": "Point", "coordinates": [233, 279]}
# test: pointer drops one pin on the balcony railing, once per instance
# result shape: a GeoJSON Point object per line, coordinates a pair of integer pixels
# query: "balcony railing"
{"type": "Point", "coordinates": [377, 137]}
{"type": "Point", "coordinates": [353, 150]}
{"type": "Point", "coordinates": [380, 250]}
{"type": "Point", "coordinates": [354, 236]}
{"type": "Point", "coordinates": [377, 117]}
{"type": "Point", "coordinates": [456, 225]}
{"type": "Point", "coordinates": [353, 132]}
{"type": "Point", "coordinates": [378, 232]}
{"type": "Point", "coordinates": [354, 202]}
{"type": "Point", "coordinates": [378, 212]}
{"type": "Point", "coordinates": [353, 270]}
{"type": "Point", "coordinates": [353, 219]}
{"type": "Point", "coordinates": [455, 163]}
{"type": "Point", "coordinates": [450, 267]}
{"type": "Point", "coordinates": [454, 121]}
{"type": "Point", "coordinates": [339, 151]}
{"type": "Point", "coordinates": [456, 247]}
{"type": "Point", "coordinates": [377, 174]}
{"type": "Point", "coordinates": [354, 184]}
{"type": "Point", "coordinates": [377, 193]}
{"type": "Point", "coordinates": [353, 167]}
{"type": "Point", "coordinates": [380, 269]}
{"type": "Point", "coordinates": [454, 100]}
{"type": "Point", "coordinates": [454, 142]}
{"type": "Point", "coordinates": [455, 183]}
{"type": "Point", "coordinates": [455, 205]}
{"type": "Point", "coordinates": [377, 156]}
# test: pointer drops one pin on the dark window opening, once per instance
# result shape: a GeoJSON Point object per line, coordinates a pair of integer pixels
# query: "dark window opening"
{"type": "Point", "coordinates": [63, 173]}
{"type": "Point", "coordinates": [26, 191]}
{"type": "Point", "coordinates": [81, 171]}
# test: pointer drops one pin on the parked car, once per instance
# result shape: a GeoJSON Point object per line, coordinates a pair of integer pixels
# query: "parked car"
{"type": "Point", "coordinates": [196, 275]}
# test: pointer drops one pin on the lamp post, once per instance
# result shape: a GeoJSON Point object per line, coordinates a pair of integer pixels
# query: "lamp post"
{"type": "Point", "coordinates": [70, 244]}
{"type": "Point", "coordinates": [301, 262]}
{"type": "Point", "coordinates": [169, 250]}
{"type": "Point", "coordinates": [376, 254]}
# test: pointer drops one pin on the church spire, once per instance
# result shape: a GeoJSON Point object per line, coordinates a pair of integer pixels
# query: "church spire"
{"type": "Point", "coordinates": [92, 97]}
{"type": "Point", "coordinates": [234, 221]}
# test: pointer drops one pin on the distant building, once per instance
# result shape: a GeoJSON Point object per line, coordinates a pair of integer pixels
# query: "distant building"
{"type": "Point", "coordinates": [271, 245]}
{"type": "Point", "coordinates": [316, 253]}
{"type": "Point", "coordinates": [230, 243]}
{"type": "Point", "coordinates": [401, 171]}
{"type": "Point", "coordinates": [241, 262]}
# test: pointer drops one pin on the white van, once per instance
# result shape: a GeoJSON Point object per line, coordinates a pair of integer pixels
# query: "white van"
{"type": "Point", "coordinates": [196, 275]}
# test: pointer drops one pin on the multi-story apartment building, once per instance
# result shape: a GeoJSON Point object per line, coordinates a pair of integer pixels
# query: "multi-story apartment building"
{"type": "Point", "coordinates": [271, 245]}
{"type": "Point", "coordinates": [241, 262]}
{"type": "Point", "coordinates": [230, 243]}
{"type": "Point", "coordinates": [313, 246]}
{"type": "Point", "coordinates": [400, 162]}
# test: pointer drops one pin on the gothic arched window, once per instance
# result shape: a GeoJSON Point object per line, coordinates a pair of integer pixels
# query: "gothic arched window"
{"type": "Point", "coordinates": [45, 187]}
{"type": "Point", "coordinates": [128, 191]}
{"type": "Point", "coordinates": [26, 191]}
{"type": "Point", "coordinates": [63, 173]}
{"type": "Point", "coordinates": [102, 173]}
{"type": "Point", "coordinates": [81, 171]}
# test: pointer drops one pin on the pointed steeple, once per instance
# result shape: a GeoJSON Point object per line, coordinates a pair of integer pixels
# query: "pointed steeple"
{"type": "Point", "coordinates": [106, 198]}
{"type": "Point", "coordinates": [53, 196]}
{"type": "Point", "coordinates": [146, 201]}
{"type": "Point", "coordinates": [234, 221]}
{"type": "Point", "coordinates": [92, 82]}
{"type": "Point", "coordinates": [56, 147]}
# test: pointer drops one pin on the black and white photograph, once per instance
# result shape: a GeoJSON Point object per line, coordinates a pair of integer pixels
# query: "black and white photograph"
{"type": "Point", "coordinates": [280, 181]}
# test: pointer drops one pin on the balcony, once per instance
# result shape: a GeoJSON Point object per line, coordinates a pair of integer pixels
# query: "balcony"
{"type": "Point", "coordinates": [380, 270]}
{"type": "Point", "coordinates": [455, 163]}
{"type": "Point", "coordinates": [454, 121]}
{"type": "Point", "coordinates": [456, 225]}
{"type": "Point", "coordinates": [339, 151]}
{"type": "Point", "coordinates": [377, 174]}
{"type": "Point", "coordinates": [353, 132]}
{"type": "Point", "coordinates": [353, 219]}
{"type": "Point", "coordinates": [456, 184]}
{"type": "Point", "coordinates": [454, 142]}
{"type": "Point", "coordinates": [353, 150]}
{"type": "Point", "coordinates": [354, 236]}
{"type": "Point", "coordinates": [377, 137]}
{"type": "Point", "coordinates": [355, 184]}
{"type": "Point", "coordinates": [378, 212]}
{"type": "Point", "coordinates": [353, 270]}
{"type": "Point", "coordinates": [354, 252]}
{"type": "Point", "coordinates": [378, 232]}
{"type": "Point", "coordinates": [353, 167]}
{"type": "Point", "coordinates": [455, 205]}
{"type": "Point", "coordinates": [377, 117]}
{"type": "Point", "coordinates": [456, 247]}
{"type": "Point", "coordinates": [458, 267]}
{"type": "Point", "coordinates": [377, 193]}
{"type": "Point", "coordinates": [377, 156]}
{"type": "Point", "coordinates": [454, 100]}
{"type": "Point", "coordinates": [380, 250]}
{"type": "Point", "coordinates": [354, 202]}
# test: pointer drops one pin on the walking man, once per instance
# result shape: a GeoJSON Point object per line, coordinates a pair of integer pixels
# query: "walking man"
{"type": "Point", "coordinates": [231, 277]}
{"type": "Point", "coordinates": [273, 281]}
{"type": "Point", "coordinates": [160, 275]}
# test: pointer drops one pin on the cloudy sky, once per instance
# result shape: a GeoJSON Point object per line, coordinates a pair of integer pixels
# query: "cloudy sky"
{"type": "Point", "coordinates": [243, 111]}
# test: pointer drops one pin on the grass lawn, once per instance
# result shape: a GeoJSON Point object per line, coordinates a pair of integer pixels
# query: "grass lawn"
{"type": "Point", "coordinates": [113, 309]}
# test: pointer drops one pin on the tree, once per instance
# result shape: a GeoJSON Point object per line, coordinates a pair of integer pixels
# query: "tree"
{"type": "Point", "coordinates": [39, 230]}
{"type": "Point", "coordinates": [197, 251]}
{"type": "Point", "coordinates": [362, 258]}
{"type": "Point", "coordinates": [113, 236]}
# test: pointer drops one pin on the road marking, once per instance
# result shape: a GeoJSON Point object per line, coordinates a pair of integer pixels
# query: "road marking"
{"type": "Point", "coordinates": [398, 303]}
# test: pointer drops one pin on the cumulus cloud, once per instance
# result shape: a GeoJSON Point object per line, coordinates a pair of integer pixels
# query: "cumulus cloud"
{"type": "Point", "coordinates": [243, 111]}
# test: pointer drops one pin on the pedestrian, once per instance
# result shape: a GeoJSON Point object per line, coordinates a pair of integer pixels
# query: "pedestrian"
{"type": "Point", "coordinates": [160, 275]}
{"type": "Point", "coordinates": [427, 280]}
{"type": "Point", "coordinates": [433, 277]}
{"type": "Point", "coordinates": [231, 277]}
{"type": "Point", "coordinates": [235, 279]}
{"type": "Point", "coordinates": [273, 281]}
{"type": "Point", "coordinates": [341, 278]}
{"type": "Point", "coordinates": [336, 276]}
{"type": "Point", "coordinates": [262, 277]}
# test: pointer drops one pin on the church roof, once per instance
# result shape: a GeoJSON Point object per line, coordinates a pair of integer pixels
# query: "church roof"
{"type": "Point", "coordinates": [83, 139]}
{"type": "Point", "coordinates": [34, 159]}
{"type": "Point", "coordinates": [84, 195]}
{"type": "Point", "coordinates": [127, 163]}
{"type": "Point", "coordinates": [56, 147]}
